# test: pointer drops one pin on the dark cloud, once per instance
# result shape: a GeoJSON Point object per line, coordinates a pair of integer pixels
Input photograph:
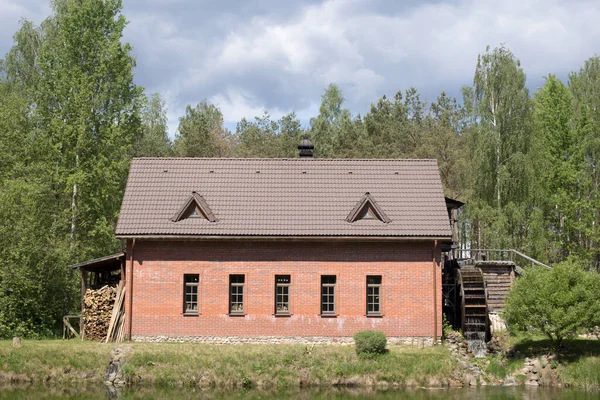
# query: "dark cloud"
{"type": "Point", "coordinates": [280, 55]}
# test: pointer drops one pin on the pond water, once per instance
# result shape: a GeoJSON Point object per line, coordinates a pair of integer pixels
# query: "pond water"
{"type": "Point", "coordinates": [484, 393]}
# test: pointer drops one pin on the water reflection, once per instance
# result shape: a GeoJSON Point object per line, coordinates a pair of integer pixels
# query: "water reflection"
{"type": "Point", "coordinates": [483, 393]}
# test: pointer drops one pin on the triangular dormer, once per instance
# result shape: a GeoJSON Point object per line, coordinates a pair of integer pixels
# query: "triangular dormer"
{"type": "Point", "coordinates": [195, 207]}
{"type": "Point", "coordinates": [367, 208]}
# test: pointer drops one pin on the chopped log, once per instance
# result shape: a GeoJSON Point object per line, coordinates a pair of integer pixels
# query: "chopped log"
{"type": "Point", "coordinates": [98, 307]}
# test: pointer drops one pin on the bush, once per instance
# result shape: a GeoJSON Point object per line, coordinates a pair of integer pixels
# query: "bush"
{"type": "Point", "coordinates": [556, 303]}
{"type": "Point", "coordinates": [370, 343]}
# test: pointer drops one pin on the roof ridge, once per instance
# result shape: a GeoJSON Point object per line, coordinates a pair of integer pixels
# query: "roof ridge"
{"type": "Point", "coordinates": [286, 159]}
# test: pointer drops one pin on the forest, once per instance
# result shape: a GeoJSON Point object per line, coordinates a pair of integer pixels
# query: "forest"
{"type": "Point", "coordinates": [72, 118]}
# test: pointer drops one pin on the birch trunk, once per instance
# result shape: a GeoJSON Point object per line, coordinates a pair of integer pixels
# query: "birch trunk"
{"type": "Point", "coordinates": [74, 204]}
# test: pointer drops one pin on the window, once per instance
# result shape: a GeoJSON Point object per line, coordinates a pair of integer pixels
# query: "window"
{"type": "Point", "coordinates": [190, 294]}
{"type": "Point", "coordinates": [195, 213]}
{"type": "Point", "coordinates": [282, 295]}
{"type": "Point", "coordinates": [328, 294]}
{"type": "Point", "coordinates": [374, 295]}
{"type": "Point", "coordinates": [367, 213]}
{"type": "Point", "coordinates": [236, 294]}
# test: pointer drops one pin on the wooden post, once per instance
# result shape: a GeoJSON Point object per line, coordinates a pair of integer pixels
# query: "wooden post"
{"type": "Point", "coordinates": [455, 232]}
{"type": "Point", "coordinates": [84, 276]}
{"type": "Point", "coordinates": [129, 293]}
{"type": "Point", "coordinates": [67, 328]}
{"type": "Point", "coordinates": [434, 269]}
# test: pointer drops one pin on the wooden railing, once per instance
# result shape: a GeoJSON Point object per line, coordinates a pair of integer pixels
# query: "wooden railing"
{"type": "Point", "coordinates": [500, 255]}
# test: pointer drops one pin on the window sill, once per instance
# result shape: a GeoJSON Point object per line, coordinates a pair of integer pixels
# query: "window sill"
{"type": "Point", "coordinates": [190, 314]}
{"type": "Point", "coordinates": [329, 315]}
{"type": "Point", "coordinates": [237, 314]}
{"type": "Point", "coordinates": [282, 315]}
{"type": "Point", "coordinates": [374, 315]}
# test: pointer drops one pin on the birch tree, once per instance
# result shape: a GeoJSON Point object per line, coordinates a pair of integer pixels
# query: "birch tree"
{"type": "Point", "coordinates": [201, 132]}
{"type": "Point", "coordinates": [585, 87]}
{"type": "Point", "coordinates": [500, 139]}
{"type": "Point", "coordinates": [155, 141]}
{"type": "Point", "coordinates": [503, 108]}
{"type": "Point", "coordinates": [89, 108]}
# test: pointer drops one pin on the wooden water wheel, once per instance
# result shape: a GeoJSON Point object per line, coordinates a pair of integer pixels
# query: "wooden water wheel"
{"type": "Point", "coordinates": [473, 303]}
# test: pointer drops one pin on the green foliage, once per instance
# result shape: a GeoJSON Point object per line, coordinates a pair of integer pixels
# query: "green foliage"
{"type": "Point", "coordinates": [585, 87]}
{"type": "Point", "coordinates": [88, 110]}
{"type": "Point", "coordinates": [154, 141]}
{"type": "Point", "coordinates": [499, 143]}
{"type": "Point", "coordinates": [446, 327]}
{"type": "Point", "coordinates": [325, 127]}
{"type": "Point", "coordinates": [560, 166]}
{"type": "Point", "coordinates": [267, 138]}
{"type": "Point", "coordinates": [201, 133]}
{"type": "Point", "coordinates": [370, 343]}
{"type": "Point", "coordinates": [556, 303]}
{"type": "Point", "coordinates": [69, 116]}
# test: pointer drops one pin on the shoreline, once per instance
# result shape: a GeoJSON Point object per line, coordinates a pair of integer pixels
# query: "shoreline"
{"type": "Point", "coordinates": [269, 367]}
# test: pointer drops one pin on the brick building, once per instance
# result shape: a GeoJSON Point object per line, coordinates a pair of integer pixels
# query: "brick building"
{"type": "Point", "coordinates": [282, 250]}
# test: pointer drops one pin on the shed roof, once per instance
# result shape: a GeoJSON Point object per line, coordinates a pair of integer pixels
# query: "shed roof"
{"type": "Point", "coordinates": [283, 197]}
{"type": "Point", "coordinates": [106, 263]}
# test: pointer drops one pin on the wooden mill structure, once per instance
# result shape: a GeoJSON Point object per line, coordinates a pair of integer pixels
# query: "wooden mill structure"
{"type": "Point", "coordinates": [475, 283]}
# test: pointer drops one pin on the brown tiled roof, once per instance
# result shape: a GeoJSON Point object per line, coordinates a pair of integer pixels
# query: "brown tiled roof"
{"type": "Point", "coordinates": [283, 197]}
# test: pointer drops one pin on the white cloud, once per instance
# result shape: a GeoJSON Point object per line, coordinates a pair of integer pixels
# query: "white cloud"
{"type": "Point", "coordinates": [11, 12]}
{"type": "Point", "coordinates": [280, 56]}
{"type": "Point", "coordinates": [429, 46]}
{"type": "Point", "coordinates": [238, 104]}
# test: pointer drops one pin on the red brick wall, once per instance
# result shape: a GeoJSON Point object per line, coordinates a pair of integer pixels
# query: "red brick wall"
{"type": "Point", "coordinates": [407, 287]}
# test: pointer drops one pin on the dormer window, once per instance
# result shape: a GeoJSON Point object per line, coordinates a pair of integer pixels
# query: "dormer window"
{"type": "Point", "coordinates": [367, 208]}
{"type": "Point", "coordinates": [367, 214]}
{"type": "Point", "coordinates": [195, 207]}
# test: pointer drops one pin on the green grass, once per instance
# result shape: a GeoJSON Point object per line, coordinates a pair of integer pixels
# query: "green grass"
{"type": "Point", "coordinates": [583, 373]}
{"type": "Point", "coordinates": [198, 365]}
{"type": "Point", "coordinates": [205, 366]}
{"type": "Point", "coordinates": [47, 360]}
{"type": "Point", "coordinates": [496, 368]}
{"type": "Point", "coordinates": [577, 361]}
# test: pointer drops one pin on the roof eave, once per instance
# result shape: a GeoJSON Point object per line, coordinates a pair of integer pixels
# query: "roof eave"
{"type": "Point", "coordinates": [441, 238]}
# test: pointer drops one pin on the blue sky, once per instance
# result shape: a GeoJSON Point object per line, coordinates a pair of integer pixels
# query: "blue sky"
{"type": "Point", "coordinates": [247, 56]}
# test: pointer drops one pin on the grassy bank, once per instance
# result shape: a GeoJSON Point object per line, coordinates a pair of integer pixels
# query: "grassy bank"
{"type": "Point", "coordinates": [201, 365]}
{"type": "Point", "coordinates": [577, 360]}
{"type": "Point", "coordinates": [575, 364]}
{"type": "Point", "coordinates": [53, 361]}
{"type": "Point", "coordinates": [170, 365]}
{"type": "Point", "coordinates": [284, 366]}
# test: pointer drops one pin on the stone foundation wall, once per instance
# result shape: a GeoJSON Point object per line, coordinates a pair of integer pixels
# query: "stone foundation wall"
{"type": "Point", "coordinates": [302, 340]}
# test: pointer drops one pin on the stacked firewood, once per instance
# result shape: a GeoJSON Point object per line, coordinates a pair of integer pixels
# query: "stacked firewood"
{"type": "Point", "coordinates": [97, 311]}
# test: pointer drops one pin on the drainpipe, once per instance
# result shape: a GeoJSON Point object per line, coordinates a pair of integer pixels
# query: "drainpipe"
{"type": "Point", "coordinates": [130, 292]}
{"type": "Point", "coordinates": [434, 270]}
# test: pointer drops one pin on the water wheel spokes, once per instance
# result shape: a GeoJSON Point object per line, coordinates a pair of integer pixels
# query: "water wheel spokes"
{"type": "Point", "coordinates": [474, 310]}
